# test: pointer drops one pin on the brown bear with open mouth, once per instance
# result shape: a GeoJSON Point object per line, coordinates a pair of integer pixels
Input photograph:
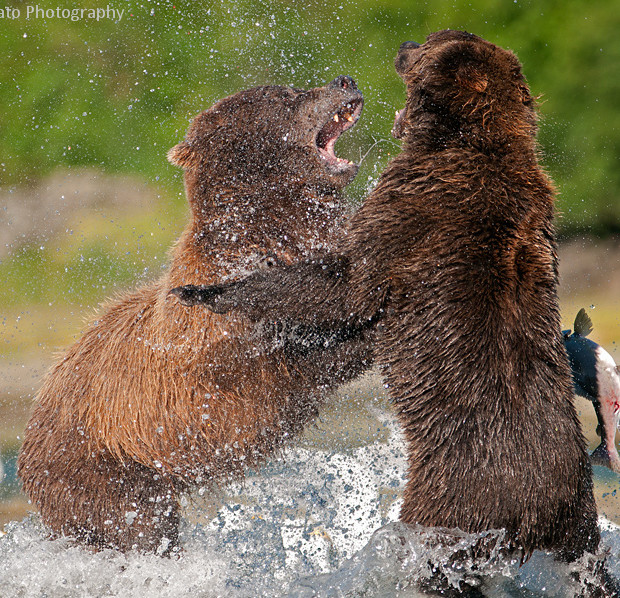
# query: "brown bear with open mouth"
{"type": "Point", "coordinates": [452, 260]}
{"type": "Point", "coordinates": [154, 397]}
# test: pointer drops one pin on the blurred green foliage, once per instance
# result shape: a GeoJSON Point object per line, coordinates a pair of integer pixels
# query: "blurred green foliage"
{"type": "Point", "coordinates": [116, 95]}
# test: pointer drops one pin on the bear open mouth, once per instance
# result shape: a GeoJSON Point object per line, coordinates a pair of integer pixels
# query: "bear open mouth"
{"type": "Point", "coordinates": [344, 118]}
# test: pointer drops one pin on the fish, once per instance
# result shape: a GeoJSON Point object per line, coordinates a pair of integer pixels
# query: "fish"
{"type": "Point", "coordinates": [596, 377]}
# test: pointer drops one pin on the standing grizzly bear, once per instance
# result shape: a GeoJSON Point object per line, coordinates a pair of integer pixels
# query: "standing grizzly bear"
{"type": "Point", "coordinates": [153, 396]}
{"type": "Point", "coordinates": [453, 255]}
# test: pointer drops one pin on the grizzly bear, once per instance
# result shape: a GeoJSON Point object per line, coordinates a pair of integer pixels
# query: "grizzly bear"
{"type": "Point", "coordinates": [154, 397]}
{"type": "Point", "coordinates": [452, 261]}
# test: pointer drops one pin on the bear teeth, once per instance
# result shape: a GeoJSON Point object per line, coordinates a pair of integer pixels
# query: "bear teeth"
{"type": "Point", "coordinates": [346, 115]}
{"type": "Point", "coordinates": [344, 118]}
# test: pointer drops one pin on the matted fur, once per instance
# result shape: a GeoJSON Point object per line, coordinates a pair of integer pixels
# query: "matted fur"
{"type": "Point", "coordinates": [453, 258]}
{"type": "Point", "coordinates": [154, 397]}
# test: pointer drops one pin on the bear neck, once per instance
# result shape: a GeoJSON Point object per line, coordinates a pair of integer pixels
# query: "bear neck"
{"type": "Point", "coordinates": [225, 197]}
{"type": "Point", "coordinates": [497, 136]}
{"type": "Point", "coordinates": [243, 206]}
{"type": "Point", "coordinates": [465, 172]}
{"type": "Point", "coordinates": [235, 226]}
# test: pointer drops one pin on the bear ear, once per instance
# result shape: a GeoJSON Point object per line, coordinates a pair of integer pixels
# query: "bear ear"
{"type": "Point", "coordinates": [471, 77]}
{"type": "Point", "coordinates": [184, 155]}
{"type": "Point", "coordinates": [205, 126]}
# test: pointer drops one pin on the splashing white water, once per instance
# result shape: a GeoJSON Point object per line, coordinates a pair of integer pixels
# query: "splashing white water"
{"type": "Point", "coordinates": [301, 527]}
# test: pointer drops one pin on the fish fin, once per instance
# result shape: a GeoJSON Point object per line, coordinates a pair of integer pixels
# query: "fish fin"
{"type": "Point", "coordinates": [601, 456]}
{"type": "Point", "coordinates": [583, 323]}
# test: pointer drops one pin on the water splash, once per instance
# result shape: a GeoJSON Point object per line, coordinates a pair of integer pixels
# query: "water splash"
{"type": "Point", "coordinates": [31, 565]}
{"type": "Point", "coordinates": [317, 523]}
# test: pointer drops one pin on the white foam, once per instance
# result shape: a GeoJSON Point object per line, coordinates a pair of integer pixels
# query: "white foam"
{"type": "Point", "coordinates": [314, 524]}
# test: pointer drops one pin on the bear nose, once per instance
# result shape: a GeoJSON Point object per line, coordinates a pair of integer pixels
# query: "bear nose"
{"type": "Point", "coordinates": [343, 82]}
{"type": "Point", "coordinates": [409, 45]}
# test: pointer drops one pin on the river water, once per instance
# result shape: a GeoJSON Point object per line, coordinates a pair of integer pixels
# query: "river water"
{"type": "Point", "coordinates": [321, 520]}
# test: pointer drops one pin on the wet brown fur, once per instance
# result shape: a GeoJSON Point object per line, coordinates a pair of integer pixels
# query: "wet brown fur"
{"type": "Point", "coordinates": [452, 258]}
{"type": "Point", "coordinates": [155, 397]}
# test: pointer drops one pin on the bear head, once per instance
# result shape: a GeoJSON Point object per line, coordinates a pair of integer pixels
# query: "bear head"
{"type": "Point", "coordinates": [461, 87]}
{"type": "Point", "coordinates": [272, 135]}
